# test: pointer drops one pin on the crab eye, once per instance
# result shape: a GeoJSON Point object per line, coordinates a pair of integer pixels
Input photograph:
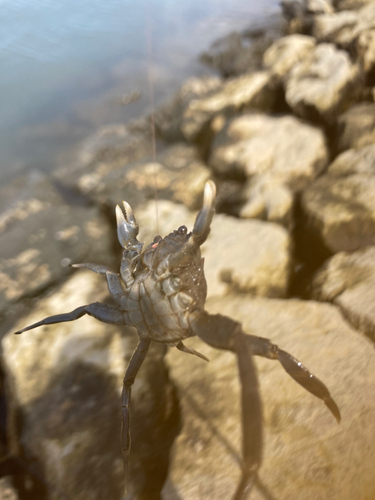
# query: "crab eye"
{"type": "Point", "coordinates": [182, 230]}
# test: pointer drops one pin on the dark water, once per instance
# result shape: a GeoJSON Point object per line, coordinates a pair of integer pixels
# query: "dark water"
{"type": "Point", "coordinates": [68, 67]}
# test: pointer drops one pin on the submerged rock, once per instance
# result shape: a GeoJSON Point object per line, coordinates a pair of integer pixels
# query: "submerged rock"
{"type": "Point", "coordinates": [41, 233]}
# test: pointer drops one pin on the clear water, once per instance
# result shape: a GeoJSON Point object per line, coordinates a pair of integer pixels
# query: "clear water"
{"type": "Point", "coordinates": [65, 65]}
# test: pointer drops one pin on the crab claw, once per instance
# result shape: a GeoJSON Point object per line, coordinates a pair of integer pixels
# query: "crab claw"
{"type": "Point", "coordinates": [204, 218]}
{"type": "Point", "coordinates": [127, 227]}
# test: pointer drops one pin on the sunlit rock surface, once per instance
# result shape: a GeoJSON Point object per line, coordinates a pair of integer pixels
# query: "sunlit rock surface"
{"type": "Point", "coordinates": [356, 127]}
{"type": "Point", "coordinates": [168, 117]}
{"type": "Point", "coordinates": [285, 52]}
{"type": "Point", "coordinates": [339, 207]}
{"type": "Point", "coordinates": [279, 155]}
{"type": "Point", "coordinates": [307, 454]}
{"type": "Point", "coordinates": [348, 280]}
{"type": "Point", "coordinates": [64, 383]}
{"type": "Point", "coordinates": [253, 90]}
{"type": "Point", "coordinates": [177, 167]}
{"type": "Point", "coordinates": [323, 84]}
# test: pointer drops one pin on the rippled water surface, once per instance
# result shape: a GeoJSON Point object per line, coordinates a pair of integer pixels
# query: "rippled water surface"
{"type": "Point", "coordinates": [68, 67]}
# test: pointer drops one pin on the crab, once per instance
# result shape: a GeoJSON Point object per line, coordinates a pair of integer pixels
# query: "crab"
{"type": "Point", "coordinates": [161, 291]}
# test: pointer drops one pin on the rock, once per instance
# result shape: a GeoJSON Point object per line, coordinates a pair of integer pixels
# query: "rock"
{"type": "Point", "coordinates": [177, 166]}
{"type": "Point", "coordinates": [366, 52]}
{"type": "Point", "coordinates": [335, 28]}
{"type": "Point", "coordinates": [7, 490]}
{"type": "Point", "coordinates": [268, 199]}
{"type": "Point", "coordinates": [64, 386]}
{"type": "Point", "coordinates": [279, 155]}
{"type": "Point", "coordinates": [348, 280]}
{"type": "Point", "coordinates": [236, 53]}
{"type": "Point", "coordinates": [247, 256]}
{"type": "Point", "coordinates": [168, 117]}
{"type": "Point", "coordinates": [252, 91]}
{"type": "Point", "coordinates": [344, 28]}
{"type": "Point", "coordinates": [285, 52]}
{"type": "Point", "coordinates": [306, 454]}
{"type": "Point", "coordinates": [356, 127]}
{"type": "Point", "coordinates": [340, 206]}
{"type": "Point", "coordinates": [301, 13]}
{"type": "Point", "coordinates": [113, 141]}
{"type": "Point", "coordinates": [323, 84]}
{"type": "Point", "coordinates": [41, 233]}
{"type": "Point", "coordinates": [351, 4]}
{"type": "Point", "coordinates": [285, 148]}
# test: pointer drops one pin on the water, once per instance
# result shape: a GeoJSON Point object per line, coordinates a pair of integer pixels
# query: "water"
{"type": "Point", "coordinates": [66, 65]}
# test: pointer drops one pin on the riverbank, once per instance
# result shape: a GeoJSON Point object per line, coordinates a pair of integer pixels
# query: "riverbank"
{"type": "Point", "coordinates": [287, 134]}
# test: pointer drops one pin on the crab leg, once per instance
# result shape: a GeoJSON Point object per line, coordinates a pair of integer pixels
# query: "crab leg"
{"type": "Point", "coordinates": [102, 312]}
{"type": "Point", "coordinates": [131, 372]}
{"type": "Point", "coordinates": [218, 330]}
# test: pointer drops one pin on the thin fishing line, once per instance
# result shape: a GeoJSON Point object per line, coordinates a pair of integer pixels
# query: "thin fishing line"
{"type": "Point", "coordinates": [149, 46]}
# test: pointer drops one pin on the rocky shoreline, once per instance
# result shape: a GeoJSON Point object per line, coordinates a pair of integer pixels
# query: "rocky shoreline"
{"type": "Point", "coordinates": [288, 135]}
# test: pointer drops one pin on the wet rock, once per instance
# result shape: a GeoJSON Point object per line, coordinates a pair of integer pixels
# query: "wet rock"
{"type": "Point", "coordinates": [236, 53]}
{"type": "Point", "coordinates": [177, 167]}
{"type": "Point", "coordinates": [41, 233]}
{"type": "Point", "coordinates": [253, 91]}
{"type": "Point", "coordinates": [168, 117]}
{"type": "Point", "coordinates": [110, 147]}
{"type": "Point", "coordinates": [348, 280]}
{"type": "Point", "coordinates": [280, 155]}
{"type": "Point", "coordinates": [64, 385]}
{"type": "Point", "coordinates": [306, 454]}
{"type": "Point", "coordinates": [340, 206]}
{"type": "Point", "coordinates": [283, 54]}
{"type": "Point", "coordinates": [356, 127]}
{"type": "Point", "coordinates": [323, 84]}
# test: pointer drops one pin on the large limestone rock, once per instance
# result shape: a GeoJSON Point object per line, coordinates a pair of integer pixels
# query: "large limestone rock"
{"type": "Point", "coordinates": [178, 174]}
{"type": "Point", "coordinates": [285, 148]}
{"type": "Point", "coordinates": [325, 82]}
{"type": "Point", "coordinates": [247, 256]}
{"type": "Point", "coordinates": [168, 117]}
{"type": "Point", "coordinates": [356, 127]}
{"type": "Point", "coordinates": [279, 155]}
{"type": "Point", "coordinates": [340, 206]}
{"type": "Point", "coordinates": [285, 52]}
{"type": "Point", "coordinates": [348, 280]}
{"type": "Point", "coordinates": [254, 90]}
{"type": "Point", "coordinates": [306, 454]}
{"type": "Point", "coordinates": [335, 28]}
{"type": "Point", "coordinates": [64, 387]}
{"type": "Point", "coordinates": [41, 232]}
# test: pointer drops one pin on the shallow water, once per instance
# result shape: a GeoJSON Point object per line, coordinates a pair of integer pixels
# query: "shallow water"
{"type": "Point", "coordinates": [69, 67]}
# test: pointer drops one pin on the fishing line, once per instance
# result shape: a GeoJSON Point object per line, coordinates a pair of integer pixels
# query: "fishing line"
{"type": "Point", "coordinates": [149, 46]}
